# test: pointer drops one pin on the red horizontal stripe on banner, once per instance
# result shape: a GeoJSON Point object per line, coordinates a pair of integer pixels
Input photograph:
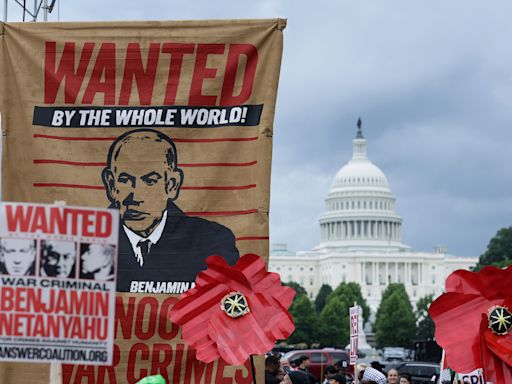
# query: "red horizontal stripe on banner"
{"type": "Point", "coordinates": [65, 162]}
{"type": "Point", "coordinates": [222, 213]}
{"type": "Point", "coordinates": [225, 139]}
{"type": "Point", "coordinates": [219, 188]}
{"type": "Point", "coordinates": [176, 140]}
{"type": "Point", "coordinates": [102, 164]}
{"type": "Point", "coordinates": [38, 136]}
{"type": "Point", "coordinates": [62, 185]}
{"type": "Point", "coordinates": [218, 164]}
{"type": "Point", "coordinates": [252, 238]}
{"type": "Point", "coordinates": [193, 188]}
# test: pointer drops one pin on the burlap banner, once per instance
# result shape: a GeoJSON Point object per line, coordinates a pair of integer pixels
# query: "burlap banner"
{"type": "Point", "coordinates": [169, 122]}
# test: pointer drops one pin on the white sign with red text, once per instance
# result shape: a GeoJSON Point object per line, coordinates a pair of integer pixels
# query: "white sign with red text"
{"type": "Point", "coordinates": [354, 333]}
{"type": "Point", "coordinates": [57, 283]}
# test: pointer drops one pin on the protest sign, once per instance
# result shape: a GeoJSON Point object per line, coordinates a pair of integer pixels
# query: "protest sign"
{"type": "Point", "coordinates": [57, 283]}
{"type": "Point", "coordinates": [171, 123]}
{"type": "Point", "coordinates": [475, 377]}
{"type": "Point", "coordinates": [354, 333]}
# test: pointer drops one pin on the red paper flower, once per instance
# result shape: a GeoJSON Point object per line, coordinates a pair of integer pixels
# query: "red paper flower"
{"type": "Point", "coordinates": [234, 311]}
{"type": "Point", "coordinates": [461, 319]}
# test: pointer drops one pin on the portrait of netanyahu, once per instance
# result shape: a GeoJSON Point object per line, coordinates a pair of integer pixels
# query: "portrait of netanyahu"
{"type": "Point", "coordinates": [158, 243]}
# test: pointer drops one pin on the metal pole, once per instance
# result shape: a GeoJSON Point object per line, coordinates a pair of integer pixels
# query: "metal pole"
{"type": "Point", "coordinates": [5, 11]}
{"type": "Point", "coordinates": [35, 11]}
{"type": "Point", "coordinates": [45, 10]}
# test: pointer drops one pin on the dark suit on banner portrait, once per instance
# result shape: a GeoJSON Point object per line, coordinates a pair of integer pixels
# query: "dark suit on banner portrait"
{"type": "Point", "coordinates": [179, 254]}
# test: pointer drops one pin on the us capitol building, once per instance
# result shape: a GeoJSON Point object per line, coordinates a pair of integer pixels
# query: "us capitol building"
{"type": "Point", "coordinates": [360, 241]}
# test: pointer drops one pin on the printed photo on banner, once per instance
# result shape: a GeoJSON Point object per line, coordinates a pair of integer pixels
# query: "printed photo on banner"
{"type": "Point", "coordinates": [17, 256]}
{"type": "Point", "coordinates": [159, 245]}
{"type": "Point", "coordinates": [57, 283]}
{"type": "Point", "coordinates": [58, 258]}
{"type": "Point", "coordinates": [97, 261]}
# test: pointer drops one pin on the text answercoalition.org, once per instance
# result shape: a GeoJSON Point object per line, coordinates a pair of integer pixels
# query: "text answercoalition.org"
{"type": "Point", "coordinates": [30, 353]}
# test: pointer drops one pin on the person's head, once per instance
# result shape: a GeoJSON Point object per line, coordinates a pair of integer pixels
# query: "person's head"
{"type": "Point", "coordinates": [18, 256]}
{"type": "Point", "coordinates": [304, 362]}
{"type": "Point", "coordinates": [392, 376]}
{"type": "Point", "coordinates": [372, 374]}
{"type": "Point", "coordinates": [141, 176]}
{"type": "Point", "coordinates": [329, 371]}
{"type": "Point", "coordinates": [337, 379]}
{"type": "Point", "coordinates": [272, 364]}
{"type": "Point", "coordinates": [378, 366]}
{"type": "Point", "coordinates": [97, 257]}
{"type": "Point", "coordinates": [285, 362]}
{"type": "Point", "coordinates": [405, 378]}
{"type": "Point", "coordinates": [341, 366]}
{"type": "Point", "coordinates": [58, 258]}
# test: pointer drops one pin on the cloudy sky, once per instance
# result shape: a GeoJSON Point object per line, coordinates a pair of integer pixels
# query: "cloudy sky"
{"type": "Point", "coordinates": [432, 82]}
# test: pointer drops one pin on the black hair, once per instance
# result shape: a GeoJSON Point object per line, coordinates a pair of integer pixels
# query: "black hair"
{"type": "Point", "coordinates": [271, 360]}
{"type": "Point", "coordinates": [330, 369]}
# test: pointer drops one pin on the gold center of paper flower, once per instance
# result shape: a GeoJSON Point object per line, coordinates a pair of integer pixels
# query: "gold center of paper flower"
{"type": "Point", "coordinates": [234, 304]}
{"type": "Point", "coordinates": [500, 319]}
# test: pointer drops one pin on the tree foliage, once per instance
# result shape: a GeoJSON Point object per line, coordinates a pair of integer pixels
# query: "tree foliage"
{"type": "Point", "coordinates": [333, 324]}
{"type": "Point", "coordinates": [321, 298]}
{"type": "Point", "coordinates": [499, 250]}
{"type": "Point", "coordinates": [425, 324]}
{"type": "Point", "coordinates": [299, 289]}
{"type": "Point", "coordinates": [395, 324]}
{"type": "Point", "coordinates": [305, 320]}
{"type": "Point", "coordinates": [350, 293]}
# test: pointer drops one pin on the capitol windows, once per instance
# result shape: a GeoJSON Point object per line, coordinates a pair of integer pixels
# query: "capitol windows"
{"type": "Point", "coordinates": [433, 279]}
{"type": "Point", "coordinates": [278, 268]}
{"type": "Point", "coordinates": [311, 281]}
{"type": "Point", "coordinates": [344, 278]}
{"type": "Point", "coordinates": [311, 269]}
{"type": "Point", "coordinates": [290, 268]}
{"type": "Point", "coordinates": [301, 268]}
{"type": "Point", "coordinates": [289, 277]}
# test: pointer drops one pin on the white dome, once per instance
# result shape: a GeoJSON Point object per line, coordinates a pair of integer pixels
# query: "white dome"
{"type": "Point", "coordinates": [360, 207]}
{"type": "Point", "coordinates": [360, 173]}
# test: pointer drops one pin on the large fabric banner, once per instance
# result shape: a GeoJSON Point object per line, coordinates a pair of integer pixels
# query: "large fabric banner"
{"type": "Point", "coordinates": [169, 122]}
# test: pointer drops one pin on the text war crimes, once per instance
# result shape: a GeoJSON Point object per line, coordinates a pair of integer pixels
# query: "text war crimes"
{"type": "Point", "coordinates": [159, 350]}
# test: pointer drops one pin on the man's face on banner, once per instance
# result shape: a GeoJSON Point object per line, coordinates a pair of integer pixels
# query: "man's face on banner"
{"type": "Point", "coordinates": [58, 258]}
{"type": "Point", "coordinates": [18, 255]}
{"type": "Point", "coordinates": [97, 257]}
{"type": "Point", "coordinates": [141, 181]}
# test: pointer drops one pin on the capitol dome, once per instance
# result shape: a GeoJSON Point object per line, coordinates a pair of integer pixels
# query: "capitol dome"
{"type": "Point", "coordinates": [360, 207]}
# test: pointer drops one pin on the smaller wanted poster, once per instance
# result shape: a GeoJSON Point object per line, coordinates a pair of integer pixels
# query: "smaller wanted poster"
{"type": "Point", "coordinates": [58, 269]}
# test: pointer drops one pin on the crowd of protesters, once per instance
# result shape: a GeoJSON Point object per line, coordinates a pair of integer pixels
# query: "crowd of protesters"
{"type": "Point", "coordinates": [281, 371]}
